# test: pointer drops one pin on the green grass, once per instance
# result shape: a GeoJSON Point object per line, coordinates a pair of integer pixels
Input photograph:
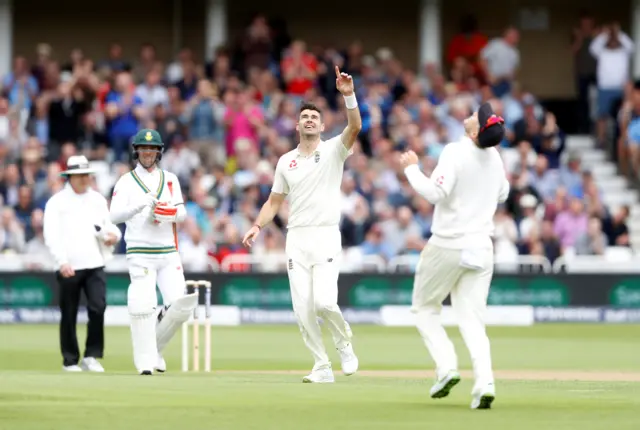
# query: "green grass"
{"type": "Point", "coordinates": [35, 394]}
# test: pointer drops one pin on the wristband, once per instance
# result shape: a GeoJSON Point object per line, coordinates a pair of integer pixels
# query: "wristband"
{"type": "Point", "coordinates": [351, 101]}
{"type": "Point", "coordinates": [259, 228]}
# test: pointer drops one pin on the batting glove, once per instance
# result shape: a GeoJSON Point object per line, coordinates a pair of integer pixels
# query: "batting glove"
{"type": "Point", "coordinates": [165, 213]}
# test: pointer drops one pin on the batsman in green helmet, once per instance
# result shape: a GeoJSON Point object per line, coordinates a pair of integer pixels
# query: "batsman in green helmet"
{"type": "Point", "coordinates": [147, 147]}
{"type": "Point", "coordinates": [148, 200]}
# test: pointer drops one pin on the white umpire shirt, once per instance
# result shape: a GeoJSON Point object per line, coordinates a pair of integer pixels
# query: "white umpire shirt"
{"type": "Point", "coordinates": [70, 221]}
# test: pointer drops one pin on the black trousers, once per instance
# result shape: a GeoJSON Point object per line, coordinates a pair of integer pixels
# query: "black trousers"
{"type": "Point", "coordinates": [94, 284]}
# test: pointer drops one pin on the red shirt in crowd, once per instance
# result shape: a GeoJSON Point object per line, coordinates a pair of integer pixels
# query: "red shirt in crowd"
{"type": "Point", "coordinates": [468, 47]}
{"type": "Point", "coordinates": [300, 85]}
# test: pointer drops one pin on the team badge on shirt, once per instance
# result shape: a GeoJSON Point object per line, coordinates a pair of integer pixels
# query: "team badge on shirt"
{"type": "Point", "coordinates": [317, 157]}
{"type": "Point", "coordinates": [293, 164]}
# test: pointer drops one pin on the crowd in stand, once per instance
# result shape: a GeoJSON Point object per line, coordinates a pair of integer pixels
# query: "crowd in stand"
{"type": "Point", "coordinates": [226, 122]}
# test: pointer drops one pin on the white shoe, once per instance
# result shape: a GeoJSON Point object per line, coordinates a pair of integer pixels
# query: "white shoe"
{"type": "Point", "coordinates": [443, 386]}
{"type": "Point", "coordinates": [72, 368]}
{"type": "Point", "coordinates": [161, 365]}
{"type": "Point", "coordinates": [320, 376]}
{"type": "Point", "coordinates": [349, 360]}
{"type": "Point", "coordinates": [91, 364]}
{"type": "Point", "coordinates": [483, 397]}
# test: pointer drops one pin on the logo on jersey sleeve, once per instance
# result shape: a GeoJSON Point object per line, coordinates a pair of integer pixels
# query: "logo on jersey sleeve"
{"type": "Point", "coordinates": [440, 180]}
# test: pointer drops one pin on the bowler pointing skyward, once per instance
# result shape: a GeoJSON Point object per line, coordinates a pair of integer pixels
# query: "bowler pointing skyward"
{"type": "Point", "coordinates": [310, 176]}
{"type": "Point", "coordinates": [466, 187]}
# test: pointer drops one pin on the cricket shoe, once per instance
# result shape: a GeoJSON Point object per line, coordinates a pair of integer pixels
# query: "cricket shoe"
{"type": "Point", "coordinates": [323, 375]}
{"type": "Point", "coordinates": [161, 365]}
{"type": "Point", "coordinates": [483, 397]}
{"type": "Point", "coordinates": [443, 385]}
{"type": "Point", "coordinates": [72, 368]}
{"type": "Point", "coordinates": [349, 360]}
{"type": "Point", "coordinates": [146, 372]}
{"type": "Point", "coordinates": [90, 364]}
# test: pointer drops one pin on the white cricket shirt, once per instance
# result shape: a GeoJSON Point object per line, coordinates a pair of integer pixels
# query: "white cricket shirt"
{"type": "Point", "coordinates": [69, 228]}
{"type": "Point", "coordinates": [465, 187]}
{"type": "Point", "coordinates": [312, 184]}
{"type": "Point", "coordinates": [143, 235]}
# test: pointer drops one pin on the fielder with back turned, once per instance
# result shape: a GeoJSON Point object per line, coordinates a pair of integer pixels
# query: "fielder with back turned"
{"type": "Point", "coordinates": [466, 187]}
{"type": "Point", "coordinates": [149, 201]}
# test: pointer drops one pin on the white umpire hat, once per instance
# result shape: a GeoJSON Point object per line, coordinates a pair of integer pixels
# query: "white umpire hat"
{"type": "Point", "coordinates": [78, 165]}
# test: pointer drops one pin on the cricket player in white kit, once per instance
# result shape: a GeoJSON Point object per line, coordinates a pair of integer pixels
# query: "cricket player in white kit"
{"type": "Point", "coordinates": [311, 176]}
{"type": "Point", "coordinates": [466, 187]}
{"type": "Point", "coordinates": [149, 200]}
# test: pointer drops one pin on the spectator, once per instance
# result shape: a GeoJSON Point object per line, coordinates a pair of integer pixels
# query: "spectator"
{"type": "Point", "coordinates": [12, 238]}
{"type": "Point", "coordinates": [585, 66]}
{"type": "Point", "coordinates": [124, 110]}
{"type": "Point", "coordinates": [628, 150]}
{"type": "Point", "coordinates": [203, 116]}
{"type": "Point", "coordinates": [501, 60]}
{"type": "Point", "coordinates": [505, 236]}
{"type": "Point", "coordinates": [36, 247]}
{"type": "Point", "coordinates": [114, 60]}
{"type": "Point", "coordinates": [615, 227]}
{"type": "Point", "coordinates": [151, 93]}
{"type": "Point", "coordinates": [375, 244]}
{"type": "Point", "coordinates": [544, 180]}
{"type": "Point", "coordinates": [20, 85]}
{"type": "Point", "coordinates": [193, 251]}
{"type": "Point", "coordinates": [612, 48]}
{"type": "Point", "coordinates": [571, 223]}
{"type": "Point", "coordinates": [242, 120]}
{"type": "Point", "coordinates": [299, 69]}
{"type": "Point", "coordinates": [257, 45]}
{"type": "Point", "coordinates": [468, 44]}
{"type": "Point", "coordinates": [592, 241]}
{"type": "Point", "coordinates": [65, 112]}
{"type": "Point", "coordinates": [550, 243]}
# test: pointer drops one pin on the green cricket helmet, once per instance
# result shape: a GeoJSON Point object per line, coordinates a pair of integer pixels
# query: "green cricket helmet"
{"type": "Point", "coordinates": [147, 137]}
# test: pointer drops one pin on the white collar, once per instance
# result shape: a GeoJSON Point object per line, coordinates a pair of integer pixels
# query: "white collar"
{"type": "Point", "coordinates": [299, 154]}
{"type": "Point", "coordinates": [141, 171]}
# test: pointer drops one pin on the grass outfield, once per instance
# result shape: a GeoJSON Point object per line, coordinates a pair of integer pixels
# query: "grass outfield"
{"type": "Point", "coordinates": [551, 376]}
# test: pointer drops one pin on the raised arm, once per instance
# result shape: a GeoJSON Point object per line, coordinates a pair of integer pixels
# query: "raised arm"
{"type": "Point", "coordinates": [430, 189]}
{"type": "Point", "coordinates": [344, 83]}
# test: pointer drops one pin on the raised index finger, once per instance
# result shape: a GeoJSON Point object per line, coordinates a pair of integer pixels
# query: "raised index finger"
{"type": "Point", "coordinates": [337, 72]}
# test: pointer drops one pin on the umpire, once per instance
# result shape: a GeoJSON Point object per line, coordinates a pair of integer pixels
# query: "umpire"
{"type": "Point", "coordinates": [80, 237]}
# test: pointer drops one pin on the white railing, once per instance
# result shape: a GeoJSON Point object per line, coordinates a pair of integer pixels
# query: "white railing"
{"type": "Point", "coordinates": [521, 264]}
{"type": "Point", "coordinates": [524, 264]}
{"type": "Point", "coordinates": [278, 263]}
{"type": "Point", "coordinates": [612, 262]}
{"type": "Point", "coordinates": [408, 262]}
{"type": "Point", "coordinates": [595, 264]}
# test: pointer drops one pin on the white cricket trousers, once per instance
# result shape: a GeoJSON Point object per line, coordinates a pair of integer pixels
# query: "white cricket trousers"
{"type": "Point", "coordinates": [313, 267]}
{"type": "Point", "coordinates": [438, 274]}
{"type": "Point", "coordinates": [146, 272]}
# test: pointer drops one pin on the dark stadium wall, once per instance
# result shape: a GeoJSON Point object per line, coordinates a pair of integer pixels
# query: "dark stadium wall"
{"type": "Point", "coordinates": [547, 66]}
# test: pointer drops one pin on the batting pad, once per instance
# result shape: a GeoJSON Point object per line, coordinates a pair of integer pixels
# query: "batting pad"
{"type": "Point", "coordinates": [172, 318]}
{"type": "Point", "coordinates": [145, 352]}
